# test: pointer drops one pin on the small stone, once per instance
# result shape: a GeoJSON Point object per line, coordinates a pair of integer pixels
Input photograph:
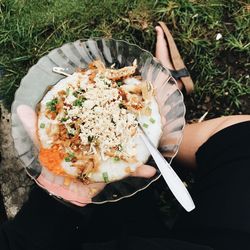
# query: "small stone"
{"type": "Point", "coordinates": [207, 99]}
{"type": "Point", "coordinates": [204, 107]}
{"type": "Point", "coordinates": [13, 210]}
{"type": "Point", "coordinates": [218, 36]}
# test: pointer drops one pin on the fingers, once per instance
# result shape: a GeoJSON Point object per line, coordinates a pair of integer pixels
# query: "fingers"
{"type": "Point", "coordinates": [76, 193]}
{"type": "Point", "coordinates": [95, 188]}
{"type": "Point", "coordinates": [28, 118]}
{"type": "Point", "coordinates": [72, 191]}
{"type": "Point", "coordinates": [145, 171]}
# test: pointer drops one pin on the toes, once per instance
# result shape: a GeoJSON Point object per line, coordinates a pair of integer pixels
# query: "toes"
{"type": "Point", "coordinates": [159, 32]}
{"type": "Point", "coordinates": [161, 51]}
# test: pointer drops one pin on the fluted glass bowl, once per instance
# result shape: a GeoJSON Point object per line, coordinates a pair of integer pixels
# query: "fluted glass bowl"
{"type": "Point", "coordinates": [79, 54]}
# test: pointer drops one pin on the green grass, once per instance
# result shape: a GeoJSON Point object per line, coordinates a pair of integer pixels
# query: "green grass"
{"type": "Point", "coordinates": [30, 29]}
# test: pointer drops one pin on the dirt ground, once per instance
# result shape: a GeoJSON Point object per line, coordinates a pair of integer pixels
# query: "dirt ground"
{"type": "Point", "coordinates": [14, 182]}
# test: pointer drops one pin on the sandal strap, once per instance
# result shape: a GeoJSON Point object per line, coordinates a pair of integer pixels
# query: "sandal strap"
{"type": "Point", "coordinates": [177, 60]}
{"type": "Point", "coordinates": [177, 74]}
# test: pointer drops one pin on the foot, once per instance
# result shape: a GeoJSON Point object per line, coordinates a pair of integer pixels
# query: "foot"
{"type": "Point", "coordinates": [162, 52]}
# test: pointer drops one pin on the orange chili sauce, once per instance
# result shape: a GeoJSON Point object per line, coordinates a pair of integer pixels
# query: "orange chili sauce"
{"type": "Point", "coordinates": [51, 158]}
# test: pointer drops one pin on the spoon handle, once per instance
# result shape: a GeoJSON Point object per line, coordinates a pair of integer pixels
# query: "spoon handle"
{"type": "Point", "coordinates": [173, 181]}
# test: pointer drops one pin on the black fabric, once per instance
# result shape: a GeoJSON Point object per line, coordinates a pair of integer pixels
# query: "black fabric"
{"type": "Point", "coordinates": [221, 192]}
{"type": "Point", "coordinates": [135, 243]}
{"type": "Point", "coordinates": [44, 223]}
{"type": "Point", "coordinates": [220, 220]}
{"type": "Point", "coordinates": [3, 215]}
{"type": "Point", "coordinates": [177, 74]}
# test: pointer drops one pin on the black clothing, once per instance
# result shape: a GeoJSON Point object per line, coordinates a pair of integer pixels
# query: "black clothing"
{"type": "Point", "coordinates": [221, 192]}
{"type": "Point", "coordinates": [221, 219]}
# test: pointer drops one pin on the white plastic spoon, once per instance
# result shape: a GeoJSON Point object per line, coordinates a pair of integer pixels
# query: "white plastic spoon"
{"type": "Point", "coordinates": [173, 181]}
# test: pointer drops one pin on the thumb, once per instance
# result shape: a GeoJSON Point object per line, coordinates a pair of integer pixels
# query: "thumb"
{"type": "Point", "coordinates": [145, 171]}
{"type": "Point", "coordinates": [28, 118]}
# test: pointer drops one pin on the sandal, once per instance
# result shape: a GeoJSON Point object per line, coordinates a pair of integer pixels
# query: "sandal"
{"type": "Point", "coordinates": [180, 71]}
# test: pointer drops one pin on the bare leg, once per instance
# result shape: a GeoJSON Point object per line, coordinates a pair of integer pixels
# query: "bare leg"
{"type": "Point", "coordinates": [198, 133]}
{"type": "Point", "coordinates": [194, 134]}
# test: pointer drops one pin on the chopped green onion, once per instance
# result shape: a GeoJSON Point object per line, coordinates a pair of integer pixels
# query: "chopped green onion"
{"type": "Point", "coordinates": [152, 120]}
{"type": "Point", "coordinates": [105, 177]}
{"type": "Point", "coordinates": [67, 159]}
{"type": "Point", "coordinates": [116, 158]}
{"type": "Point", "coordinates": [148, 111]}
{"type": "Point", "coordinates": [42, 125]}
{"type": "Point", "coordinates": [145, 125]}
{"type": "Point", "coordinates": [64, 119]}
{"type": "Point", "coordinates": [71, 155]}
{"type": "Point", "coordinates": [79, 101]}
{"type": "Point", "coordinates": [52, 104]}
{"type": "Point", "coordinates": [67, 91]}
{"type": "Point", "coordinates": [119, 84]}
